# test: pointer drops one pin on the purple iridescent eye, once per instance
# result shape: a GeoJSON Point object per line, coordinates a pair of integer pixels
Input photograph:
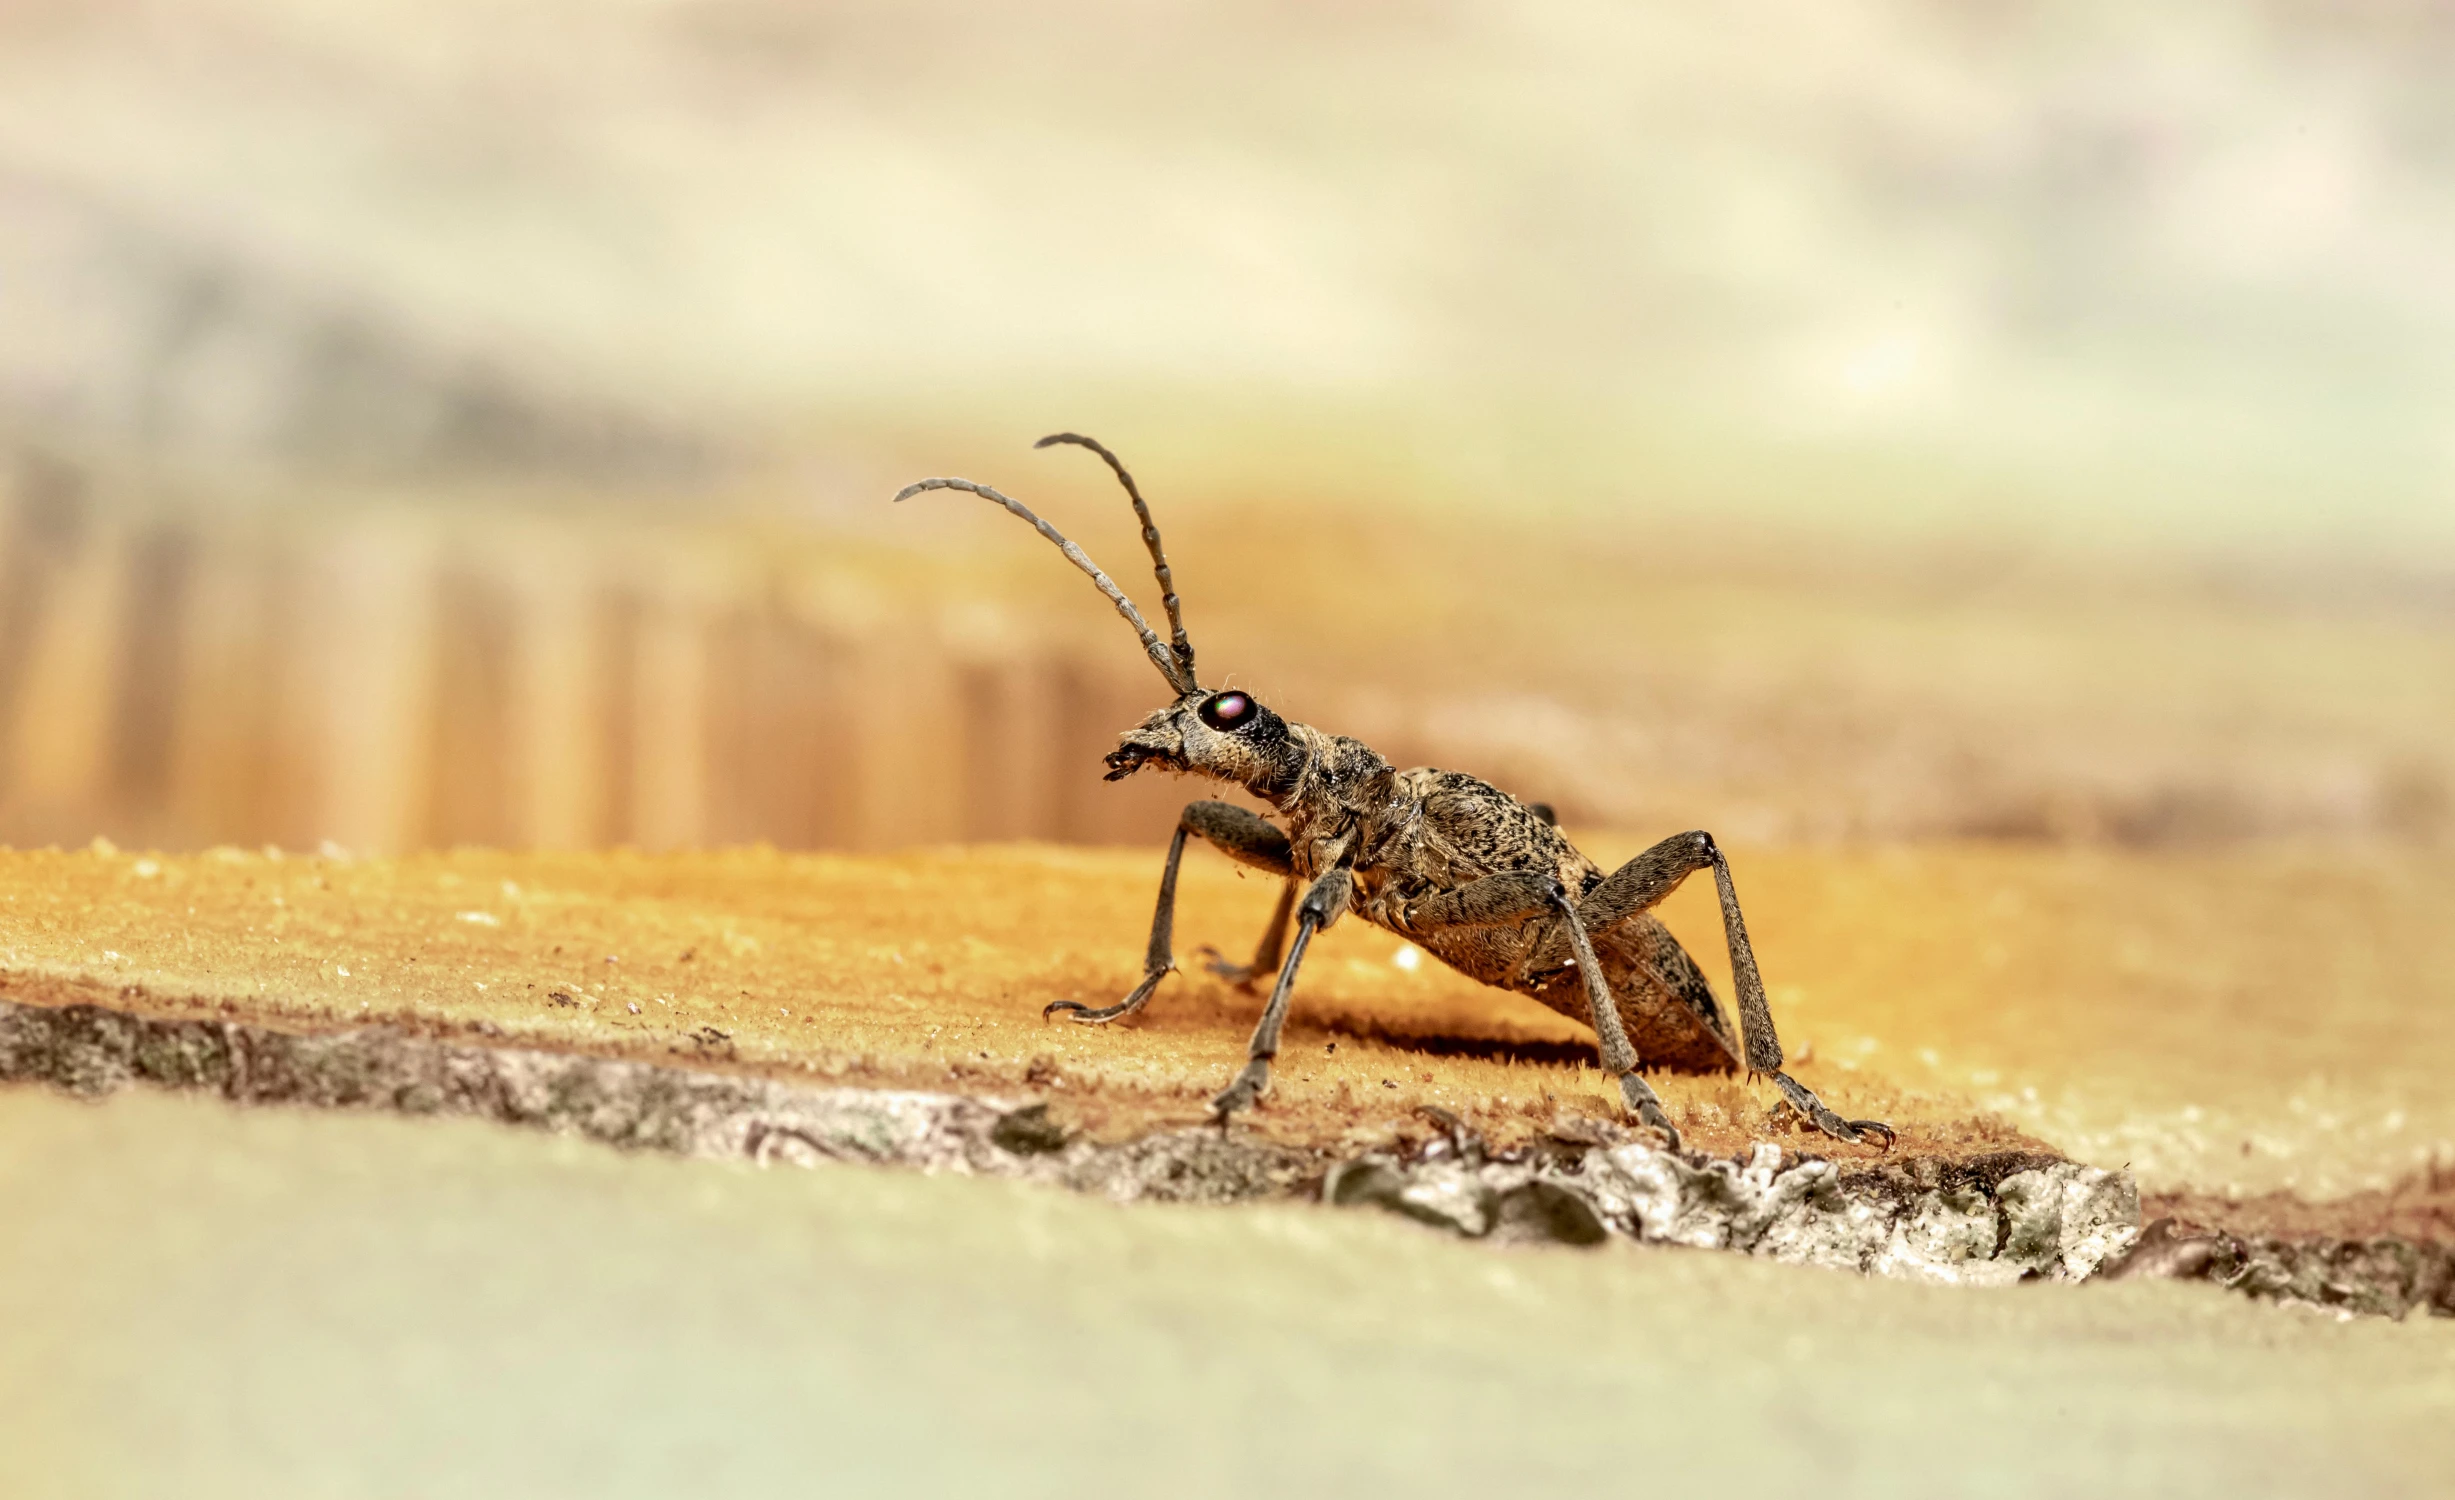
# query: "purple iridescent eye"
{"type": "Point", "coordinates": [1228, 711]}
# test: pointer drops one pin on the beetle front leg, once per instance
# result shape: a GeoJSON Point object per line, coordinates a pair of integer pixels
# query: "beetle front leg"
{"type": "Point", "coordinates": [1243, 836]}
{"type": "Point", "coordinates": [1323, 904]}
{"type": "Point", "coordinates": [1157, 961]}
{"type": "Point", "coordinates": [1265, 957]}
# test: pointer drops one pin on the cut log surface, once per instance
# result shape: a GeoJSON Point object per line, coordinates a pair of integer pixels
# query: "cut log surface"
{"type": "Point", "coordinates": [1981, 999]}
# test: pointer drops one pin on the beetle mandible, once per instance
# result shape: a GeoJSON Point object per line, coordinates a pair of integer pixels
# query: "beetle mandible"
{"type": "Point", "coordinates": [1485, 883]}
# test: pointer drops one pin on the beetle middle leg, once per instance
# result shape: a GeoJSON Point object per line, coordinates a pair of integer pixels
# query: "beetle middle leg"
{"type": "Point", "coordinates": [1618, 1054]}
{"type": "Point", "coordinates": [1244, 836]}
{"type": "Point", "coordinates": [1518, 896]}
{"type": "Point", "coordinates": [1323, 904]}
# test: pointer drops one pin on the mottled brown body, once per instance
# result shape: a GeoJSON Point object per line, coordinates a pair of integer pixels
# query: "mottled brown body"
{"type": "Point", "coordinates": [1483, 882]}
{"type": "Point", "coordinates": [1422, 832]}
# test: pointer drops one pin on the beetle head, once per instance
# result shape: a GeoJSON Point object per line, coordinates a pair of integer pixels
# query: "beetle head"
{"type": "Point", "coordinates": [1225, 735]}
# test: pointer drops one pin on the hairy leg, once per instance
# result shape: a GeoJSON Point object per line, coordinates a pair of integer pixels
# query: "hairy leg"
{"type": "Point", "coordinates": [1244, 836]}
{"type": "Point", "coordinates": [1640, 885]}
{"type": "Point", "coordinates": [1323, 904]}
{"type": "Point", "coordinates": [1494, 901]}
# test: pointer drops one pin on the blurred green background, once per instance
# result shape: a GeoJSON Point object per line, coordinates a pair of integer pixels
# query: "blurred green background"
{"type": "Point", "coordinates": [451, 423]}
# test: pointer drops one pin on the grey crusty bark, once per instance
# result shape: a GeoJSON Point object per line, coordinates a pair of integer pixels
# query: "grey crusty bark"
{"type": "Point", "coordinates": [2026, 1215]}
{"type": "Point", "coordinates": [1982, 1221]}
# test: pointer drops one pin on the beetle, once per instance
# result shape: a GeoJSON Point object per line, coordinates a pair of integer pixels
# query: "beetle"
{"type": "Point", "coordinates": [1485, 883]}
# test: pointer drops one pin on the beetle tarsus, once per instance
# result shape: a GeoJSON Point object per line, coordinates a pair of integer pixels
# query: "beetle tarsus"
{"type": "Point", "coordinates": [1083, 1015]}
{"type": "Point", "coordinates": [1244, 1093]}
{"type": "Point", "coordinates": [1240, 975]}
{"type": "Point", "coordinates": [1823, 1118]}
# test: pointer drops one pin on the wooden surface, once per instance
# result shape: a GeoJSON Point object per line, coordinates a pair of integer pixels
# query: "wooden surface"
{"type": "Point", "coordinates": [2160, 1012]}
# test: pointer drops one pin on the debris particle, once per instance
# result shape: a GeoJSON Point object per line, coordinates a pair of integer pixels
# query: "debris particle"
{"type": "Point", "coordinates": [1028, 1132]}
{"type": "Point", "coordinates": [480, 918]}
{"type": "Point", "coordinates": [634, 1007]}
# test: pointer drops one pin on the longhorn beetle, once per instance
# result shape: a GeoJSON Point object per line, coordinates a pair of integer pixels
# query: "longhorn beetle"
{"type": "Point", "coordinates": [1453, 864]}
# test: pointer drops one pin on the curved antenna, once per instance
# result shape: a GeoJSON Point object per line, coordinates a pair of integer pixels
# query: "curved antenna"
{"type": "Point", "coordinates": [1150, 539]}
{"type": "Point", "coordinates": [1183, 682]}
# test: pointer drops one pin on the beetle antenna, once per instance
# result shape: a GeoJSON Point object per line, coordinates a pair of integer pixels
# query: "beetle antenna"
{"type": "Point", "coordinates": [1180, 679]}
{"type": "Point", "coordinates": [1150, 539]}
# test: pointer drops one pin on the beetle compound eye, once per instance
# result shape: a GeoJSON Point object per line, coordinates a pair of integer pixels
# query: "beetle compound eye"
{"type": "Point", "coordinates": [1228, 711]}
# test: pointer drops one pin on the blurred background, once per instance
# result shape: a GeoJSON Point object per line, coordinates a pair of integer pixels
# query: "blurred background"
{"type": "Point", "coordinates": [1815, 420]}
